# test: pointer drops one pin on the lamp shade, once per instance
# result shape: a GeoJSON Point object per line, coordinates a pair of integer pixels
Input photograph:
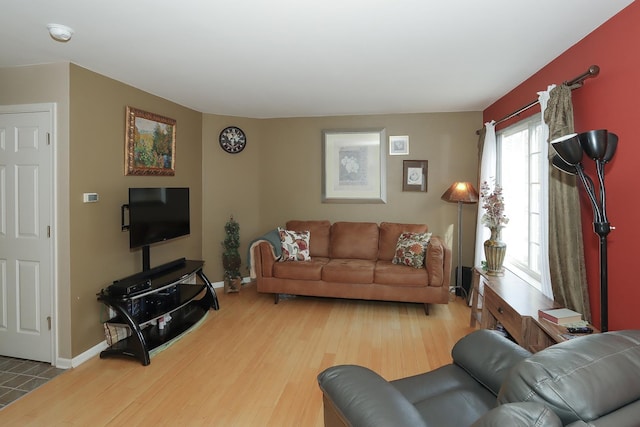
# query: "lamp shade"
{"type": "Point", "coordinates": [568, 147]}
{"type": "Point", "coordinates": [594, 143]}
{"type": "Point", "coordinates": [612, 144]}
{"type": "Point", "coordinates": [564, 166]}
{"type": "Point", "coordinates": [461, 192]}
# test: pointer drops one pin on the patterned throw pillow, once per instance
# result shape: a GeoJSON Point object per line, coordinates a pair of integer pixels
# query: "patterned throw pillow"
{"type": "Point", "coordinates": [410, 249]}
{"type": "Point", "coordinates": [295, 245]}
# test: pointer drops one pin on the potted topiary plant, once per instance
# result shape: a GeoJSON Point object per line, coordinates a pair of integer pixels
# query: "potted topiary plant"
{"type": "Point", "coordinates": [231, 259]}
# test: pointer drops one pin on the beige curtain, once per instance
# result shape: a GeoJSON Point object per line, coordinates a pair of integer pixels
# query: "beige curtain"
{"type": "Point", "coordinates": [482, 134]}
{"type": "Point", "coordinates": [486, 171]}
{"type": "Point", "coordinates": [566, 252]}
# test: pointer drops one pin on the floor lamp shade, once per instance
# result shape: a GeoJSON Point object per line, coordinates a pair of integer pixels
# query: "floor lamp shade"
{"type": "Point", "coordinates": [460, 192]}
{"type": "Point", "coordinates": [600, 146]}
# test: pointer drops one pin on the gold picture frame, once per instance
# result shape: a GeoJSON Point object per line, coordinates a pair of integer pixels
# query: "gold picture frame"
{"type": "Point", "coordinates": [414, 175]}
{"type": "Point", "coordinates": [150, 144]}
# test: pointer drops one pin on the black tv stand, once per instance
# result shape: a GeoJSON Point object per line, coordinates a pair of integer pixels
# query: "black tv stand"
{"type": "Point", "coordinates": [179, 291]}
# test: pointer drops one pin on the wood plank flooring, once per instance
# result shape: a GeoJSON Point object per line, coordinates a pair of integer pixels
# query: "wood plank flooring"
{"type": "Point", "coordinates": [252, 363]}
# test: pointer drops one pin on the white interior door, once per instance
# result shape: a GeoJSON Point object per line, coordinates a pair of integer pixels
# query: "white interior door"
{"type": "Point", "coordinates": [25, 245]}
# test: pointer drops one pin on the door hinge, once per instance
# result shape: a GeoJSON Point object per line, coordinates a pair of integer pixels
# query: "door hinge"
{"type": "Point", "coordinates": [49, 322]}
{"type": "Point", "coordinates": [49, 231]}
{"type": "Point", "coordinates": [48, 138]}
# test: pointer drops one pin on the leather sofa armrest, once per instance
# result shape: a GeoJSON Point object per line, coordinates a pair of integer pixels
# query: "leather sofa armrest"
{"type": "Point", "coordinates": [438, 262]}
{"type": "Point", "coordinates": [360, 397]}
{"type": "Point", "coordinates": [263, 258]}
{"type": "Point", "coordinates": [488, 357]}
{"type": "Point", "coordinates": [521, 414]}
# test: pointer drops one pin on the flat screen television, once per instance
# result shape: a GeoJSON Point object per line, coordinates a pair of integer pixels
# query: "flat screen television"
{"type": "Point", "coordinates": [156, 215]}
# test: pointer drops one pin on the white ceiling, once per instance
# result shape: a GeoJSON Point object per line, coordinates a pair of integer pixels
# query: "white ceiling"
{"type": "Point", "coordinates": [292, 58]}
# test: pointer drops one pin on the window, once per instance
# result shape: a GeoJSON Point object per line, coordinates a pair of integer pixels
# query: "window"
{"type": "Point", "coordinates": [519, 169]}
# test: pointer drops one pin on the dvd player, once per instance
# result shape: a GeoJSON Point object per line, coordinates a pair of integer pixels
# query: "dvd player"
{"type": "Point", "coordinates": [129, 287]}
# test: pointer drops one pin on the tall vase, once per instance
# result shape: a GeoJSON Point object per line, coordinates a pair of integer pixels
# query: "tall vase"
{"type": "Point", "coordinates": [494, 252]}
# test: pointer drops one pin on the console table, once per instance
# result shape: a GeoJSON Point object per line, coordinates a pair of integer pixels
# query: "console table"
{"type": "Point", "coordinates": [514, 303]}
{"type": "Point", "coordinates": [178, 298]}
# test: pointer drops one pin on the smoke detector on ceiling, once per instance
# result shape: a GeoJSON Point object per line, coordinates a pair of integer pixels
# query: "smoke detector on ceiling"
{"type": "Point", "coordinates": [59, 32]}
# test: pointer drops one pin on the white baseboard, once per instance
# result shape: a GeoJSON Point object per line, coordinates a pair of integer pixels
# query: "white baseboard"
{"type": "Point", "coordinates": [64, 363]}
{"type": "Point", "coordinates": [218, 285]}
{"type": "Point", "coordinates": [92, 352]}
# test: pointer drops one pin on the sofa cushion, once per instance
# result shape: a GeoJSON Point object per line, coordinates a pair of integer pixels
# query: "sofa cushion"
{"type": "Point", "coordinates": [387, 273]}
{"type": "Point", "coordinates": [446, 396]}
{"type": "Point", "coordinates": [354, 240]}
{"type": "Point", "coordinates": [410, 249]}
{"type": "Point", "coordinates": [348, 271]}
{"type": "Point", "coordinates": [389, 233]}
{"type": "Point", "coordinates": [318, 235]}
{"type": "Point", "coordinates": [520, 414]}
{"type": "Point", "coordinates": [309, 270]}
{"type": "Point", "coordinates": [446, 408]}
{"type": "Point", "coordinates": [294, 244]}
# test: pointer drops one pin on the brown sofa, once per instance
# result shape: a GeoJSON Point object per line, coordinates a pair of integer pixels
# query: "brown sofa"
{"type": "Point", "coordinates": [354, 260]}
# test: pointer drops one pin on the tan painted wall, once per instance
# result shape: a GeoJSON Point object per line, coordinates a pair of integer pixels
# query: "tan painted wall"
{"type": "Point", "coordinates": [231, 187]}
{"type": "Point", "coordinates": [99, 250]}
{"type": "Point", "coordinates": [44, 84]}
{"type": "Point", "coordinates": [278, 176]}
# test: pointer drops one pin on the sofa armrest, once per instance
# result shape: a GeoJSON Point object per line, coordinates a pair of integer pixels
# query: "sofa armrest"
{"type": "Point", "coordinates": [488, 357]}
{"type": "Point", "coordinates": [438, 262]}
{"type": "Point", "coordinates": [263, 259]}
{"type": "Point", "coordinates": [521, 414]}
{"type": "Point", "coordinates": [359, 397]}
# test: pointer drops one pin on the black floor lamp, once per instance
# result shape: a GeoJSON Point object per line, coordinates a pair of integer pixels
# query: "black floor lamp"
{"type": "Point", "coordinates": [600, 146]}
{"type": "Point", "coordinates": [460, 192]}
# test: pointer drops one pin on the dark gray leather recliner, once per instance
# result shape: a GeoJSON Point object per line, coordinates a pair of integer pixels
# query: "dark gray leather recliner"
{"type": "Point", "coordinates": [588, 381]}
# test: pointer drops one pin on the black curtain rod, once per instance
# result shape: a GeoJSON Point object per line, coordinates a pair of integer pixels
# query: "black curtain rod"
{"type": "Point", "coordinates": [574, 83]}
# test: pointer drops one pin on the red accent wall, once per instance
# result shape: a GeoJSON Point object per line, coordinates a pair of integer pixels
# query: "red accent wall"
{"type": "Point", "coordinates": [609, 101]}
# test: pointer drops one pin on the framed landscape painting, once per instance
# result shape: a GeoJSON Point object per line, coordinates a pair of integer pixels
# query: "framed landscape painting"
{"type": "Point", "coordinates": [150, 144]}
{"type": "Point", "coordinates": [354, 166]}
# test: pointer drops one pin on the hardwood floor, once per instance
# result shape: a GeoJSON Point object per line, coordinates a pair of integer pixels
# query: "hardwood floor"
{"type": "Point", "coordinates": [252, 363]}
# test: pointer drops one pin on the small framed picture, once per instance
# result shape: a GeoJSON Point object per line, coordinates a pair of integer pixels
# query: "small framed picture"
{"type": "Point", "coordinates": [414, 176]}
{"type": "Point", "coordinates": [399, 145]}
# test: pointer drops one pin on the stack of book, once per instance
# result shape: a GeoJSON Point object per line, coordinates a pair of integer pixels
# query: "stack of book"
{"type": "Point", "coordinates": [560, 316]}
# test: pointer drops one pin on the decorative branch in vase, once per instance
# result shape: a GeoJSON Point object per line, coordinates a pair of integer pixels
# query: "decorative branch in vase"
{"type": "Point", "coordinates": [494, 219]}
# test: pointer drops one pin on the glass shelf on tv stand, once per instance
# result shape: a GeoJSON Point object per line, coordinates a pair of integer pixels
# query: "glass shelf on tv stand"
{"type": "Point", "coordinates": [174, 292]}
